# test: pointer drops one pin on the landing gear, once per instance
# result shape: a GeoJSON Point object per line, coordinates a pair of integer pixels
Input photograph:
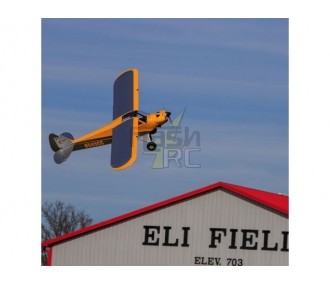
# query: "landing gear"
{"type": "Point", "coordinates": [151, 146]}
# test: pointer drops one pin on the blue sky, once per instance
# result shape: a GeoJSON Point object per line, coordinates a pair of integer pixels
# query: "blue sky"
{"type": "Point", "coordinates": [231, 75]}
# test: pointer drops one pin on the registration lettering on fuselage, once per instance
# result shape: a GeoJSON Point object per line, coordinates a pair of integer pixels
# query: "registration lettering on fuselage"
{"type": "Point", "coordinates": [93, 144]}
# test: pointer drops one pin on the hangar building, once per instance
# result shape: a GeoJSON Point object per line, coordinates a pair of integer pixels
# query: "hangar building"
{"type": "Point", "coordinates": [218, 225]}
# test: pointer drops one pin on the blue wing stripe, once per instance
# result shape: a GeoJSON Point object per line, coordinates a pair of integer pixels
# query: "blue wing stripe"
{"type": "Point", "coordinates": [123, 94]}
{"type": "Point", "coordinates": [122, 139]}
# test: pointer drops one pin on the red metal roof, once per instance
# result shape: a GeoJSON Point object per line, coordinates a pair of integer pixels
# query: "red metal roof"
{"type": "Point", "coordinates": [278, 202]}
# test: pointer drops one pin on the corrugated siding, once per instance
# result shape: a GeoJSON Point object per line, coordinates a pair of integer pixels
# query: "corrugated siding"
{"type": "Point", "coordinates": [121, 244]}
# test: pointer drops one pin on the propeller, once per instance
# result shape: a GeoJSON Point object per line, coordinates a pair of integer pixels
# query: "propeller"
{"type": "Point", "coordinates": [168, 115]}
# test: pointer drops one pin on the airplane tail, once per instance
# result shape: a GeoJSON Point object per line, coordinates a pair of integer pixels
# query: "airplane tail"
{"type": "Point", "coordinates": [62, 146]}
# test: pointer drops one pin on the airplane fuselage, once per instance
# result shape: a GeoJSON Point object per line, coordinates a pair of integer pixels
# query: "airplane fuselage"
{"type": "Point", "coordinates": [103, 135]}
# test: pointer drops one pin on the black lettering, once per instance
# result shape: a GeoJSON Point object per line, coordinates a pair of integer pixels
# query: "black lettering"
{"type": "Point", "coordinates": [215, 237]}
{"type": "Point", "coordinates": [210, 261]}
{"type": "Point", "coordinates": [167, 237]}
{"type": "Point", "coordinates": [265, 245]}
{"type": "Point", "coordinates": [233, 238]}
{"type": "Point", "coordinates": [285, 241]}
{"type": "Point", "coordinates": [234, 262]}
{"type": "Point", "coordinates": [249, 239]}
{"type": "Point", "coordinates": [201, 260]}
{"type": "Point", "coordinates": [197, 260]}
{"type": "Point", "coordinates": [185, 236]}
{"type": "Point", "coordinates": [149, 235]}
{"type": "Point", "coordinates": [217, 260]}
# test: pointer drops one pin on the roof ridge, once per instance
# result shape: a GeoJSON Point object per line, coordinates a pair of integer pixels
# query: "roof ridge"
{"type": "Point", "coordinates": [260, 196]}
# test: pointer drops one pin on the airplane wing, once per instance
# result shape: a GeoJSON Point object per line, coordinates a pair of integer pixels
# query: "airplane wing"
{"type": "Point", "coordinates": [126, 93]}
{"type": "Point", "coordinates": [124, 144]}
{"type": "Point", "coordinates": [124, 136]}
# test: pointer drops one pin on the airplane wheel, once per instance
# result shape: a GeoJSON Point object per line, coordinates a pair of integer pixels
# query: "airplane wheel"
{"type": "Point", "coordinates": [151, 146]}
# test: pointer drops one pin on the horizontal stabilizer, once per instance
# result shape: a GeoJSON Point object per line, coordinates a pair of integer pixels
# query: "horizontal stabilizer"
{"type": "Point", "coordinates": [62, 154]}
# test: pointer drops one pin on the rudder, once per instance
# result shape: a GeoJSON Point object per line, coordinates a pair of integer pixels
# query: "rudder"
{"type": "Point", "coordinates": [62, 146]}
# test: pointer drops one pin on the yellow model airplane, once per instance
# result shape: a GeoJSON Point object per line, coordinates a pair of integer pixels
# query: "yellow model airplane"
{"type": "Point", "coordinates": [128, 124]}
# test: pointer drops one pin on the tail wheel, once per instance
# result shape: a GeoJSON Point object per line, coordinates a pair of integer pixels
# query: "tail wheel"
{"type": "Point", "coordinates": [151, 146]}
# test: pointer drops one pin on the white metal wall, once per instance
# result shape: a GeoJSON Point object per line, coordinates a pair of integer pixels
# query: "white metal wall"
{"type": "Point", "coordinates": [122, 244]}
